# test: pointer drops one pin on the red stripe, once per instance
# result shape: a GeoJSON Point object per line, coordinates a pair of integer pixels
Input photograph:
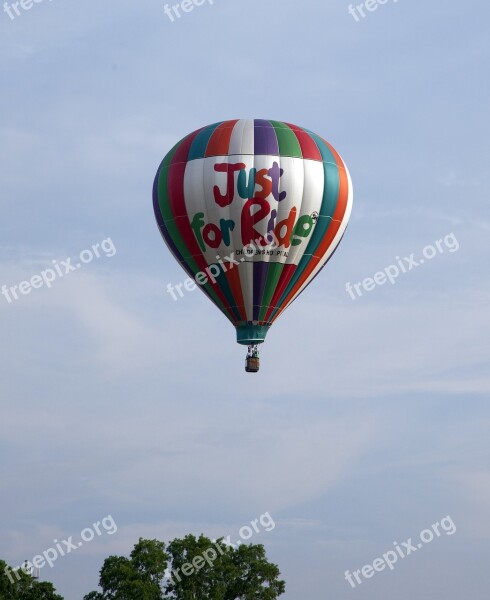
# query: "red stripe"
{"type": "Point", "coordinates": [327, 240]}
{"type": "Point", "coordinates": [233, 278]}
{"type": "Point", "coordinates": [339, 213]}
{"type": "Point", "coordinates": [282, 284]}
{"type": "Point", "coordinates": [176, 173]}
{"type": "Point", "coordinates": [309, 149]}
{"type": "Point", "coordinates": [177, 204]}
{"type": "Point", "coordinates": [182, 152]}
{"type": "Point", "coordinates": [219, 142]}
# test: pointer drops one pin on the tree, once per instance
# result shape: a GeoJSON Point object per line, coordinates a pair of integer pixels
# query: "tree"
{"type": "Point", "coordinates": [18, 585]}
{"type": "Point", "coordinates": [200, 569]}
{"type": "Point", "coordinates": [134, 578]}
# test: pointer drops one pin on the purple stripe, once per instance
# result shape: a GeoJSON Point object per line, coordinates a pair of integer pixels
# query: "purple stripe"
{"type": "Point", "coordinates": [260, 277]}
{"type": "Point", "coordinates": [265, 139]}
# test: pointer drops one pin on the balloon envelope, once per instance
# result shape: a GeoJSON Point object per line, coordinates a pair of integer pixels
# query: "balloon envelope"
{"type": "Point", "coordinates": [252, 210]}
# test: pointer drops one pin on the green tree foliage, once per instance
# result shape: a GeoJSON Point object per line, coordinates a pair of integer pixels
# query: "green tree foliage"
{"type": "Point", "coordinates": [21, 586]}
{"type": "Point", "coordinates": [134, 578]}
{"type": "Point", "coordinates": [200, 570]}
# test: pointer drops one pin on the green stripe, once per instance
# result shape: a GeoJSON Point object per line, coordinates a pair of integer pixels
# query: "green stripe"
{"type": "Point", "coordinates": [287, 140]}
{"type": "Point", "coordinates": [273, 275]}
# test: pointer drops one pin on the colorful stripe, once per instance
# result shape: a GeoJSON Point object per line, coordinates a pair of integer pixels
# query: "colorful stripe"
{"type": "Point", "coordinates": [272, 138]}
{"type": "Point", "coordinates": [265, 138]}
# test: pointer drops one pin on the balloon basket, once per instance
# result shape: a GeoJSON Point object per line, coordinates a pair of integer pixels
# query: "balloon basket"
{"type": "Point", "coordinates": [252, 361]}
{"type": "Point", "coordinates": [252, 365]}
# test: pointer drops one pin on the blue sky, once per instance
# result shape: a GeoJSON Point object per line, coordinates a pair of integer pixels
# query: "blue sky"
{"type": "Point", "coordinates": [369, 420]}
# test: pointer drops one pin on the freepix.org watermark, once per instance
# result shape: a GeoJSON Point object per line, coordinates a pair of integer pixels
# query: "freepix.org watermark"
{"type": "Point", "coordinates": [227, 263]}
{"type": "Point", "coordinates": [402, 266]}
{"type": "Point", "coordinates": [12, 8]}
{"type": "Point", "coordinates": [47, 277]}
{"type": "Point", "coordinates": [62, 548]}
{"type": "Point", "coordinates": [369, 5]}
{"type": "Point", "coordinates": [265, 522]}
{"type": "Point", "coordinates": [186, 6]}
{"type": "Point", "coordinates": [390, 558]}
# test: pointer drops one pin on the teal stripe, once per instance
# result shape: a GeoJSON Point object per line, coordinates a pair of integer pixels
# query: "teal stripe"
{"type": "Point", "coordinates": [329, 203]}
{"type": "Point", "coordinates": [331, 191]}
{"type": "Point", "coordinates": [200, 143]}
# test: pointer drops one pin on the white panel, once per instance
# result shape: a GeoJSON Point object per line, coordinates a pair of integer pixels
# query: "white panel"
{"type": "Point", "coordinates": [247, 282]}
{"type": "Point", "coordinates": [193, 178]}
{"type": "Point", "coordinates": [313, 182]}
{"type": "Point", "coordinates": [243, 138]}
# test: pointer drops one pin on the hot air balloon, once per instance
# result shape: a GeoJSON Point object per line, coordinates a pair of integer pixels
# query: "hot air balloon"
{"type": "Point", "coordinates": [252, 210]}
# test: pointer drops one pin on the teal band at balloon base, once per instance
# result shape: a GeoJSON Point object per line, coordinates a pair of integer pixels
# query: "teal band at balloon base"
{"type": "Point", "coordinates": [251, 334]}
